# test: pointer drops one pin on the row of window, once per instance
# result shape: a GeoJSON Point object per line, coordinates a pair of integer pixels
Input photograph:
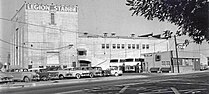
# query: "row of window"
{"type": "Point", "coordinates": [122, 46]}
{"type": "Point", "coordinates": [127, 60]}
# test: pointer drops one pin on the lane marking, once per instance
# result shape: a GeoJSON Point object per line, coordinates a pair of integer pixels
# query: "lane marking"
{"type": "Point", "coordinates": [175, 90]}
{"type": "Point", "coordinates": [69, 92]}
{"type": "Point", "coordinates": [123, 89]}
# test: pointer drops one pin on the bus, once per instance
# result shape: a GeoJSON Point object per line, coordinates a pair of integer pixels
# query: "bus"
{"type": "Point", "coordinates": [127, 64]}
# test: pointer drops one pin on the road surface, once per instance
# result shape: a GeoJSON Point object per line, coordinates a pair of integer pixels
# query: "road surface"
{"type": "Point", "coordinates": [193, 83]}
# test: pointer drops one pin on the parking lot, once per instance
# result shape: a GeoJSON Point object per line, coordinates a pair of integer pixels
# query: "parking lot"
{"type": "Point", "coordinates": [70, 80]}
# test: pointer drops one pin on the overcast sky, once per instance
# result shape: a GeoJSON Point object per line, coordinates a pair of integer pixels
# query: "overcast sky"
{"type": "Point", "coordinates": [95, 16]}
{"type": "Point", "coordinates": [98, 16]}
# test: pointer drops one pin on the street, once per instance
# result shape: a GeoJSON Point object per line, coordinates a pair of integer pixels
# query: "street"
{"type": "Point", "coordinates": [193, 83]}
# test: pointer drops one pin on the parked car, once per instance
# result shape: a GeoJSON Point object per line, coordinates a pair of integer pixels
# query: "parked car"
{"type": "Point", "coordinates": [43, 73]}
{"type": "Point", "coordinates": [79, 72]}
{"type": "Point", "coordinates": [116, 71]}
{"type": "Point", "coordinates": [61, 73]}
{"type": "Point", "coordinates": [4, 77]}
{"type": "Point", "coordinates": [97, 71]}
{"type": "Point", "coordinates": [22, 74]}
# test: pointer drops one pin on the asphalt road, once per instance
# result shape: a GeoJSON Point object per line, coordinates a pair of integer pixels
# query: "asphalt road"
{"type": "Point", "coordinates": [194, 83]}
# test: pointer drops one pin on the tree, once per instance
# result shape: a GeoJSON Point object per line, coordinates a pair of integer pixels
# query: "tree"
{"type": "Point", "coordinates": [191, 16]}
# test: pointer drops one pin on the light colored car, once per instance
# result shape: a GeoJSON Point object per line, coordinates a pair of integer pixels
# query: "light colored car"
{"type": "Point", "coordinates": [116, 71]}
{"type": "Point", "coordinates": [4, 77]}
{"type": "Point", "coordinates": [79, 72]}
{"type": "Point", "coordinates": [22, 74]}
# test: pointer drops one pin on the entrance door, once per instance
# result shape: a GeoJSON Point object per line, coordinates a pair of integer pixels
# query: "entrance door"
{"type": "Point", "coordinates": [208, 61]}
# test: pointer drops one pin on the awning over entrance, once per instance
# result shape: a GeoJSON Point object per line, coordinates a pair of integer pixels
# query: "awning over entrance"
{"type": "Point", "coordinates": [84, 60]}
{"type": "Point", "coordinates": [81, 49]}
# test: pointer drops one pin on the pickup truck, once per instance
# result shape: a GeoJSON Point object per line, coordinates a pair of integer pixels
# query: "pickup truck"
{"type": "Point", "coordinates": [22, 74]}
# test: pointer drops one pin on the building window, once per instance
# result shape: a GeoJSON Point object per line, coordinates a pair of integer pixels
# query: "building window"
{"type": "Point", "coordinates": [107, 46]}
{"type": "Point", "coordinates": [64, 66]}
{"type": "Point", "coordinates": [114, 61]}
{"type": "Point", "coordinates": [137, 46]}
{"type": "Point", "coordinates": [114, 46]}
{"type": "Point", "coordinates": [129, 46]}
{"type": "Point", "coordinates": [175, 61]}
{"type": "Point", "coordinates": [166, 63]}
{"type": "Point", "coordinates": [118, 46]}
{"type": "Point", "coordinates": [41, 66]}
{"type": "Point", "coordinates": [123, 46]}
{"type": "Point", "coordinates": [143, 46]}
{"type": "Point", "coordinates": [103, 46]}
{"type": "Point", "coordinates": [147, 46]}
{"type": "Point", "coordinates": [157, 57]}
{"type": "Point", "coordinates": [52, 18]}
{"type": "Point", "coordinates": [80, 53]}
{"type": "Point", "coordinates": [133, 46]}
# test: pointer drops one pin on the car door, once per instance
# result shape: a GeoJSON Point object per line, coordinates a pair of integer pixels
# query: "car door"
{"type": "Point", "coordinates": [16, 74]}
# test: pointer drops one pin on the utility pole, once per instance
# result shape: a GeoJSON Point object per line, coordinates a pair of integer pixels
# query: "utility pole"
{"type": "Point", "coordinates": [176, 53]}
{"type": "Point", "coordinates": [172, 66]}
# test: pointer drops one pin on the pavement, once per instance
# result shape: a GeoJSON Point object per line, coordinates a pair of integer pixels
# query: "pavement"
{"type": "Point", "coordinates": [83, 80]}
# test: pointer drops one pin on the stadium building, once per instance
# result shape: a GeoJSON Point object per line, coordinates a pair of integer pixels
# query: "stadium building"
{"type": "Point", "coordinates": [47, 35]}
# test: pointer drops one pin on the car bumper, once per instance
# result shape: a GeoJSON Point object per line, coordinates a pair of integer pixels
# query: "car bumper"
{"type": "Point", "coordinates": [2, 80]}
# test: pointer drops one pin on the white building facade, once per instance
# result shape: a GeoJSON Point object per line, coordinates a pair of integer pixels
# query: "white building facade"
{"type": "Point", "coordinates": [45, 35]}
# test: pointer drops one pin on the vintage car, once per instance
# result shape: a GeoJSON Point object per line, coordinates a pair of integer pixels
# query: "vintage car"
{"type": "Point", "coordinates": [22, 74]}
{"type": "Point", "coordinates": [79, 72]}
{"type": "Point", "coordinates": [97, 71]}
{"type": "Point", "coordinates": [116, 71]}
{"type": "Point", "coordinates": [4, 77]}
{"type": "Point", "coordinates": [61, 73]}
{"type": "Point", "coordinates": [43, 73]}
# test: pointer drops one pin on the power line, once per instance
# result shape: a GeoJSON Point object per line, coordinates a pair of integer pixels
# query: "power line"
{"type": "Point", "coordinates": [33, 48]}
{"type": "Point", "coordinates": [44, 26]}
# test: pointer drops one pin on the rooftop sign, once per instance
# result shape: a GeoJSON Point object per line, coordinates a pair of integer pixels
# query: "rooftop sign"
{"type": "Point", "coordinates": [51, 7]}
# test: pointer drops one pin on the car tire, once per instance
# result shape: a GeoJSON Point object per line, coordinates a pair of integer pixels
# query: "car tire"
{"type": "Point", "coordinates": [116, 74]}
{"type": "Point", "coordinates": [26, 79]}
{"type": "Point", "coordinates": [78, 76]}
{"type": "Point", "coordinates": [91, 75]}
{"type": "Point", "coordinates": [61, 77]}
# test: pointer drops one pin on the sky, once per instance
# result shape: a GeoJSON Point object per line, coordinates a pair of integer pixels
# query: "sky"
{"type": "Point", "coordinates": [99, 16]}
{"type": "Point", "coordinates": [95, 17]}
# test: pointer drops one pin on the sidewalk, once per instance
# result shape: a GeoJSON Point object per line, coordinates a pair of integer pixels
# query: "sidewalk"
{"type": "Point", "coordinates": [83, 80]}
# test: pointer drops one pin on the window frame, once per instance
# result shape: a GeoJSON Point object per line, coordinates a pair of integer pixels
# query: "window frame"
{"type": "Point", "coordinates": [52, 15]}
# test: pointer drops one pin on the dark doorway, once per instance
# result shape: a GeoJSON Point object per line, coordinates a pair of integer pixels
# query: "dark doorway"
{"type": "Point", "coordinates": [208, 61]}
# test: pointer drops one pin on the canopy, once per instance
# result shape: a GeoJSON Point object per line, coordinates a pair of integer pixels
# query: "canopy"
{"type": "Point", "coordinates": [81, 49]}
